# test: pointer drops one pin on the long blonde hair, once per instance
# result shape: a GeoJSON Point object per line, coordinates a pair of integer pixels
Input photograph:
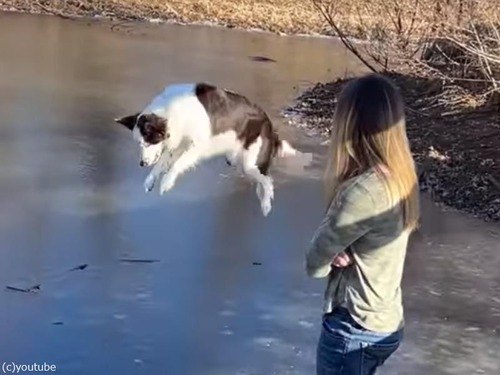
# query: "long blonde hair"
{"type": "Point", "coordinates": [369, 131]}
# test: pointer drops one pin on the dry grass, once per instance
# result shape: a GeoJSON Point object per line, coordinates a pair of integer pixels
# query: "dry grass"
{"type": "Point", "coordinates": [360, 18]}
{"type": "Point", "coordinates": [283, 16]}
{"type": "Point", "coordinates": [288, 16]}
{"type": "Point", "coordinates": [457, 41]}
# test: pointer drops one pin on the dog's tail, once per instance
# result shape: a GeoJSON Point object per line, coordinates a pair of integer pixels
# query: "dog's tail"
{"type": "Point", "coordinates": [284, 149]}
{"type": "Point", "coordinates": [294, 158]}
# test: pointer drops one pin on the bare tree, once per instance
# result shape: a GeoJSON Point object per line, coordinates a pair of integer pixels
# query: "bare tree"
{"type": "Point", "coordinates": [456, 41]}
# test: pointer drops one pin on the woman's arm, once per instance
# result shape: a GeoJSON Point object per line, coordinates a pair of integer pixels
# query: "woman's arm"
{"type": "Point", "coordinates": [348, 218]}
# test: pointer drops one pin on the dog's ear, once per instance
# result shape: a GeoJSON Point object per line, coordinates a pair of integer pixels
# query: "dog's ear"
{"type": "Point", "coordinates": [128, 121]}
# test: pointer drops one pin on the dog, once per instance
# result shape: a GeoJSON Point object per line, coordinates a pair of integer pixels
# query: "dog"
{"type": "Point", "coordinates": [190, 122]}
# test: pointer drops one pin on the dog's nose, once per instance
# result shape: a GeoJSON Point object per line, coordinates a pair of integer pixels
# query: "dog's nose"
{"type": "Point", "coordinates": [141, 163]}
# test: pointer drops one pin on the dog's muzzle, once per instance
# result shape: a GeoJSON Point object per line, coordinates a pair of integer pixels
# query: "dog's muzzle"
{"type": "Point", "coordinates": [147, 162]}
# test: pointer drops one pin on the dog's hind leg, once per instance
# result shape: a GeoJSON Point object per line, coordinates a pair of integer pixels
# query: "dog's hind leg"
{"type": "Point", "coordinates": [260, 192]}
{"type": "Point", "coordinates": [264, 189]}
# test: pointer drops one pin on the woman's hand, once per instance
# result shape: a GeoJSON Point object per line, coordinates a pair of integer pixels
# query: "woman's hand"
{"type": "Point", "coordinates": [342, 260]}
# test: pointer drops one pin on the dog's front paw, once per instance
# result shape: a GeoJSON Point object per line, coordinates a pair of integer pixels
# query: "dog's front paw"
{"type": "Point", "coordinates": [167, 183]}
{"type": "Point", "coordinates": [149, 183]}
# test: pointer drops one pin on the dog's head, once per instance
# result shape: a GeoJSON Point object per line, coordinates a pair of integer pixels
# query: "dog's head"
{"type": "Point", "coordinates": [150, 131]}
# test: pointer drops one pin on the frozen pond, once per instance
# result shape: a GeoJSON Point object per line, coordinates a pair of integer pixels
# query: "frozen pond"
{"type": "Point", "coordinates": [227, 292]}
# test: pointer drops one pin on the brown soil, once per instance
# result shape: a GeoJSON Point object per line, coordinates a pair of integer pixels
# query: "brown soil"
{"type": "Point", "coordinates": [455, 142]}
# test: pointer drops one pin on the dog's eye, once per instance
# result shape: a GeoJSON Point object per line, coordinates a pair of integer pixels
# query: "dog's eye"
{"type": "Point", "coordinates": [149, 131]}
{"type": "Point", "coordinates": [141, 122]}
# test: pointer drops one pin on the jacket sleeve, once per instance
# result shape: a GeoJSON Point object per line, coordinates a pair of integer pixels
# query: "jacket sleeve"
{"type": "Point", "coordinates": [349, 217]}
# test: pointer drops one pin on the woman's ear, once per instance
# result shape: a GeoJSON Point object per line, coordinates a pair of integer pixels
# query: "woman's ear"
{"type": "Point", "coordinates": [128, 121]}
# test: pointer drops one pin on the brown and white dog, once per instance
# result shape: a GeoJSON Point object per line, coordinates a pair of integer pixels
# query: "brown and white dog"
{"type": "Point", "coordinates": [191, 122]}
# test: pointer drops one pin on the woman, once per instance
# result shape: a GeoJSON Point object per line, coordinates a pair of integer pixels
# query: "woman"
{"type": "Point", "coordinates": [373, 206]}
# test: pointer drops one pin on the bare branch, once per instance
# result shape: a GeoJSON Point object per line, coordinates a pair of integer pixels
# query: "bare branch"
{"type": "Point", "coordinates": [345, 40]}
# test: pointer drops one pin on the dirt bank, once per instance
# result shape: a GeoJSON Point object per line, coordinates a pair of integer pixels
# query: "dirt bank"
{"type": "Point", "coordinates": [457, 145]}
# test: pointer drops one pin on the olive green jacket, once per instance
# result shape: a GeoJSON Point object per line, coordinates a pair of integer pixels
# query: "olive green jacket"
{"type": "Point", "coordinates": [362, 222]}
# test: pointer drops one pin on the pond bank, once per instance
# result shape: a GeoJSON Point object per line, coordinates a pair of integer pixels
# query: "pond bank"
{"type": "Point", "coordinates": [457, 148]}
{"type": "Point", "coordinates": [277, 16]}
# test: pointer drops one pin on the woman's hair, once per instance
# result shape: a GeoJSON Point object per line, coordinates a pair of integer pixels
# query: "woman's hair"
{"type": "Point", "coordinates": [368, 132]}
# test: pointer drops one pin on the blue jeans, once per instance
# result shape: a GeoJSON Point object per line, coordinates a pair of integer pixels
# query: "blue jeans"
{"type": "Point", "coordinates": [346, 348]}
